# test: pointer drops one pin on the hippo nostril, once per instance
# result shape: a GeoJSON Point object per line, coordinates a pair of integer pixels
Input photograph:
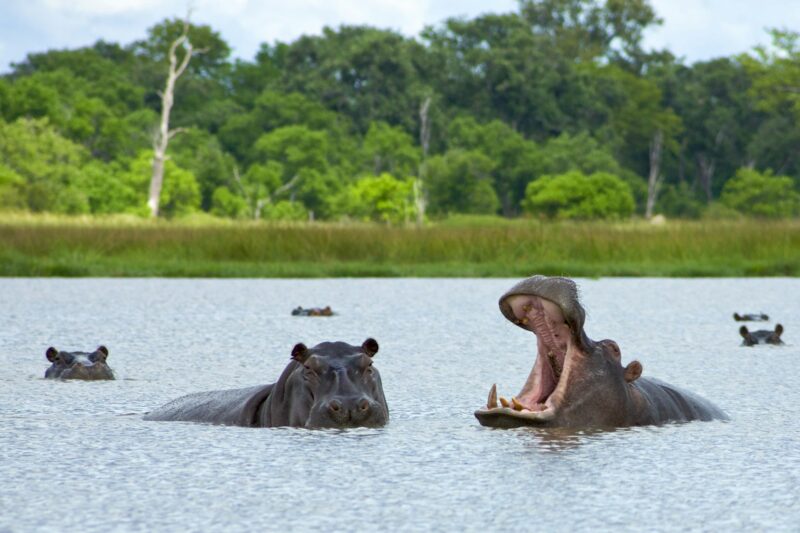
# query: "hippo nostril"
{"type": "Point", "coordinates": [363, 405]}
{"type": "Point", "coordinates": [335, 406]}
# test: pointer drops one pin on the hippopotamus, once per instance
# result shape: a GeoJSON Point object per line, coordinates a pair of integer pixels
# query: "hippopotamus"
{"type": "Point", "coordinates": [762, 336]}
{"type": "Point", "coordinates": [78, 365]}
{"type": "Point", "coordinates": [750, 317]}
{"type": "Point", "coordinates": [332, 385]}
{"type": "Point", "coordinates": [312, 311]}
{"type": "Point", "coordinates": [577, 382]}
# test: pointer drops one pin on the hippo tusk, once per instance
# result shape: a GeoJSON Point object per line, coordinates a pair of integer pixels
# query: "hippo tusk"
{"type": "Point", "coordinates": [516, 403]}
{"type": "Point", "coordinates": [491, 403]}
{"type": "Point", "coordinates": [504, 402]}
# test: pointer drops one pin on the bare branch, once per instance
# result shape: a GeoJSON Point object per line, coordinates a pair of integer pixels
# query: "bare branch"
{"type": "Point", "coordinates": [176, 131]}
{"type": "Point", "coordinates": [286, 186]}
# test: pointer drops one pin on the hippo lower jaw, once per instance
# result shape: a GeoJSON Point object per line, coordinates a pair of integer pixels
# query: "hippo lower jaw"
{"type": "Point", "coordinates": [507, 417]}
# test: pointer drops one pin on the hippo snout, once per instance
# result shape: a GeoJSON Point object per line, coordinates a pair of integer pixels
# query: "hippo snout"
{"type": "Point", "coordinates": [352, 411]}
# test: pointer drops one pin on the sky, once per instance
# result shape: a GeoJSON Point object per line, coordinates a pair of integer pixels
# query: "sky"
{"type": "Point", "coordinates": [694, 30]}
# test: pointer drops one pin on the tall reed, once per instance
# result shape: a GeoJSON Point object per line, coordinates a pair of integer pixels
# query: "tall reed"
{"type": "Point", "coordinates": [41, 246]}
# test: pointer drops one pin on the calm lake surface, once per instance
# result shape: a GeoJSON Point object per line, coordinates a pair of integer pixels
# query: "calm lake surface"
{"type": "Point", "coordinates": [78, 456]}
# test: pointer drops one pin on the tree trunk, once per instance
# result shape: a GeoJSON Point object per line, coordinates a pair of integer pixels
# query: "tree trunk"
{"type": "Point", "coordinates": [164, 134]}
{"type": "Point", "coordinates": [424, 141]}
{"type": "Point", "coordinates": [653, 180]}
{"type": "Point", "coordinates": [706, 168]}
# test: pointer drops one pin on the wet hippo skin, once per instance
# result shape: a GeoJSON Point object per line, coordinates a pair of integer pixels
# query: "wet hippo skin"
{"type": "Point", "coordinates": [762, 336]}
{"type": "Point", "coordinates": [576, 381]}
{"type": "Point", "coordinates": [332, 385]}
{"type": "Point", "coordinates": [78, 365]}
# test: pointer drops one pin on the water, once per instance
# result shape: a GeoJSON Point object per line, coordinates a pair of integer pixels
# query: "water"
{"type": "Point", "coordinates": [78, 457]}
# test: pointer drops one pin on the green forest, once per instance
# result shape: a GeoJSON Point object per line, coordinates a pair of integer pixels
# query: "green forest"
{"type": "Point", "coordinates": [554, 111]}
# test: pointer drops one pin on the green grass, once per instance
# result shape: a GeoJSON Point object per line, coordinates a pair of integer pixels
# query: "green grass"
{"type": "Point", "coordinates": [119, 246]}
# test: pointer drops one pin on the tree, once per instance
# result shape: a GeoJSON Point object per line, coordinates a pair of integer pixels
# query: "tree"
{"type": "Point", "coordinates": [776, 72]}
{"type": "Point", "coordinates": [461, 182]}
{"type": "Point", "coordinates": [389, 149]}
{"type": "Point", "coordinates": [40, 168]}
{"type": "Point", "coordinates": [576, 195]}
{"type": "Point", "coordinates": [381, 198]}
{"type": "Point", "coordinates": [164, 134]}
{"type": "Point", "coordinates": [591, 29]}
{"type": "Point", "coordinates": [516, 160]}
{"type": "Point", "coordinates": [761, 194]}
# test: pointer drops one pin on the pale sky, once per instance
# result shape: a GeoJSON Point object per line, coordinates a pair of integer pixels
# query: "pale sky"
{"type": "Point", "coordinates": [693, 29]}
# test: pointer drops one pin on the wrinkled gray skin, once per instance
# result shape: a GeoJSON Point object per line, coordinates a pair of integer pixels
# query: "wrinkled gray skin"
{"type": "Point", "coordinates": [78, 365]}
{"type": "Point", "coordinates": [577, 382]}
{"type": "Point", "coordinates": [332, 385]}
{"type": "Point", "coordinates": [750, 317]}
{"type": "Point", "coordinates": [762, 336]}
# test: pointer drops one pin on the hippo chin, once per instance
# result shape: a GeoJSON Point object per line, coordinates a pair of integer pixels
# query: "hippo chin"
{"type": "Point", "coordinates": [332, 385]}
{"type": "Point", "coordinates": [575, 381]}
{"type": "Point", "coordinates": [78, 365]}
{"type": "Point", "coordinates": [762, 336]}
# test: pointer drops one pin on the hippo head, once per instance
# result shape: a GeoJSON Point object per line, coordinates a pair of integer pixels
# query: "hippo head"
{"type": "Point", "coordinates": [333, 384]}
{"type": "Point", "coordinates": [574, 381]}
{"type": "Point", "coordinates": [78, 365]}
{"type": "Point", "coordinates": [762, 336]}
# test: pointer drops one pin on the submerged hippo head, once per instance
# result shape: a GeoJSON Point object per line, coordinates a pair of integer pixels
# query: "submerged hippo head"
{"type": "Point", "coordinates": [762, 336]}
{"type": "Point", "coordinates": [78, 365]}
{"type": "Point", "coordinates": [750, 317]}
{"type": "Point", "coordinates": [574, 381]}
{"type": "Point", "coordinates": [333, 384]}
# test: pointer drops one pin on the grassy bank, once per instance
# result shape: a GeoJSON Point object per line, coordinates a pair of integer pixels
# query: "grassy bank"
{"type": "Point", "coordinates": [46, 246]}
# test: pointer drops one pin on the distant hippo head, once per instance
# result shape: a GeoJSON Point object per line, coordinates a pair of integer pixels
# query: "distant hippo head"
{"type": "Point", "coordinates": [574, 381]}
{"type": "Point", "coordinates": [78, 365]}
{"type": "Point", "coordinates": [333, 384]}
{"type": "Point", "coordinates": [750, 317]}
{"type": "Point", "coordinates": [762, 336]}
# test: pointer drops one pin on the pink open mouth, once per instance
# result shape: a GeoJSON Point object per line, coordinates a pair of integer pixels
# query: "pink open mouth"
{"type": "Point", "coordinates": [538, 398]}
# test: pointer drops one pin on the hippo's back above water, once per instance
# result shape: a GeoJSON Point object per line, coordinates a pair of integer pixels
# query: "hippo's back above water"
{"type": "Point", "coordinates": [231, 407]}
{"type": "Point", "coordinates": [333, 384]}
{"type": "Point", "coordinates": [666, 402]}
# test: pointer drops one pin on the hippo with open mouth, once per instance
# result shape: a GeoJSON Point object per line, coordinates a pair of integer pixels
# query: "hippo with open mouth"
{"type": "Point", "coordinates": [575, 381]}
{"type": "Point", "coordinates": [332, 385]}
{"type": "Point", "coordinates": [78, 365]}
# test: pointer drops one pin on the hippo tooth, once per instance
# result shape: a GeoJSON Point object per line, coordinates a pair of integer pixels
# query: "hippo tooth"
{"type": "Point", "coordinates": [517, 405]}
{"type": "Point", "coordinates": [524, 320]}
{"type": "Point", "coordinates": [504, 402]}
{"type": "Point", "coordinates": [491, 403]}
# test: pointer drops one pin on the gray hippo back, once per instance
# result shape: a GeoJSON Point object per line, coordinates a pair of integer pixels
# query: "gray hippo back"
{"type": "Point", "coordinates": [332, 385]}
{"type": "Point", "coordinates": [762, 336]}
{"type": "Point", "coordinates": [78, 365]}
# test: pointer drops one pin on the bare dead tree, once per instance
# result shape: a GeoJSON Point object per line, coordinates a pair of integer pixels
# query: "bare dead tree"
{"type": "Point", "coordinates": [164, 134]}
{"type": "Point", "coordinates": [707, 165]}
{"type": "Point", "coordinates": [425, 141]}
{"type": "Point", "coordinates": [654, 179]}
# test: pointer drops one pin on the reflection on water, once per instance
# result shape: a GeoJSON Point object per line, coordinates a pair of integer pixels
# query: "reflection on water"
{"type": "Point", "coordinates": [78, 457]}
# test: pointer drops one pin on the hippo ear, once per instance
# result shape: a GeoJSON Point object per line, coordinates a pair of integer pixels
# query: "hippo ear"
{"type": "Point", "coordinates": [743, 331]}
{"type": "Point", "coordinates": [103, 349]}
{"type": "Point", "coordinates": [778, 330]}
{"type": "Point", "coordinates": [633, 371]}
{"type": "Point", "coordinates": [736, 317]}
{"type": "Point", "coordinates": [51, 354]}
{"type": "Point", "coordinates": [300, 352]}
{"type": "Point", "coordinates": [370, 346]}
